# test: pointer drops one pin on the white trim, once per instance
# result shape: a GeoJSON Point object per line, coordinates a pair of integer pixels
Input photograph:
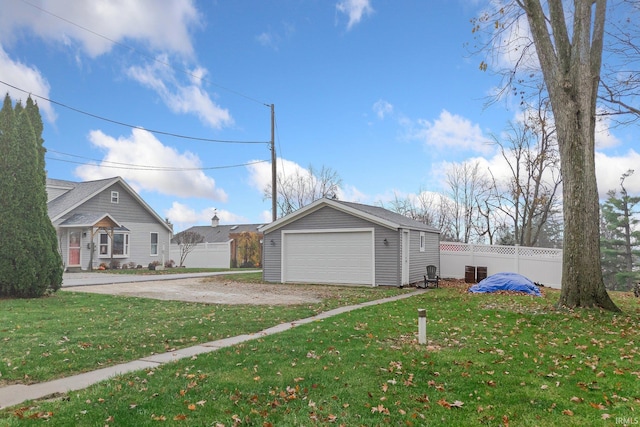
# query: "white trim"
{"type": "Point", "coordinates": [157, 243]}
{"type": "Point", "coordinates": [371, 230]}
{"type": "Point", "coordinates": [115, 197]}
{"type": "Point", "coordinates": [320, 203]}
{"type": "Point", "coordinates": [423, 241]}
{"type": "Point", "coordinates": [79, 231]}
{"type": "Point", "coordinates": [405, 256]}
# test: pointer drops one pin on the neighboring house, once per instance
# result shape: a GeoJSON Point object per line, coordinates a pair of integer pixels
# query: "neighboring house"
{"type": "Point", "coordinates": [105, 221]}
{"type": "Point", "coordinates": [331, 241]}
{"type": "Point", "coordinates": [223, 246]}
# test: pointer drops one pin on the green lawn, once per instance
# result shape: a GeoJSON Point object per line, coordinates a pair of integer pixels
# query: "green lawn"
{"type": "Point", "coordinates": [73, 332]}
{"type": "Point", "coordinates": [490, 360]}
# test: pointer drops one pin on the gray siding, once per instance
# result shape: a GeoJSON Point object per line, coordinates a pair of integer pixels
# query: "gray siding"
{"type": "Point", "coordinates": [129, 213]}
{"type": "Point", "coordinates": [418, 261]}
{"type": "Point", "coordinates": [386, 259]}
{"type": "Point", "coordinates": [126, 211]}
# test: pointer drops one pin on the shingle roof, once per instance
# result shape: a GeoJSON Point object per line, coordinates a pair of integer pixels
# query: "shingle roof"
{"type": "Point", "coordinates": [374, 214]}
{"type": "Point", "coordinates": [388, 215]}
{"type": "Point", "coordinates": [78, 192]}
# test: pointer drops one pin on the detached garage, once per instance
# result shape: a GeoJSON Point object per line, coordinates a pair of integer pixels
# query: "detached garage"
{"type": "Point", "coordinates": [331, 241]}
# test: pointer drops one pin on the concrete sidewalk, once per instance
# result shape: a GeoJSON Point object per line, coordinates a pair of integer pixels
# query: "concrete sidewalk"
{"type": "Point", "coordinates": [18, 393]}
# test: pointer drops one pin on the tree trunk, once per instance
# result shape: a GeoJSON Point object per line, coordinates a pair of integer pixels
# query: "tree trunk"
{"type": "Point", "coordinates": [571, 69]}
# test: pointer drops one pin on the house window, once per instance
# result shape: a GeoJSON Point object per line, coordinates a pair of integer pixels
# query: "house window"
{"type": "Point", "coordinates": [115, 197]}
{"type": "Point", "coordinates": [154, 243]}
{"type": "Point", "coordinates": [119, 246]}
{"type": "Point", "coordinates": [423, 241]}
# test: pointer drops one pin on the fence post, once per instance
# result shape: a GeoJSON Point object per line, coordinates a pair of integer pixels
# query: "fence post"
{"type": "Point", "coordinates": [516, 259]}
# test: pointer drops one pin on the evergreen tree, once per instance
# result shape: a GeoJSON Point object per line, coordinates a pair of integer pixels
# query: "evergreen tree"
{"type": "Point", "coordinates": [620, 238]}
{"type": "Point", "coordinates": [30, 264]}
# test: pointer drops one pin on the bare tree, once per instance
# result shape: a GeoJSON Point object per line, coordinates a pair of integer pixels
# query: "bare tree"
{"type": "Point", "coordinates": [187, 241]}
{"type": "Point", "coordinates": [304, 186]}
{"type": "Point", "coordinates": [425, 206]}
{"type": "Point", "coordinates": [530, 150]}
{"type": "Point", "coordinates": [467, 188]}
{"type": "Point", "coordinates": [568, 42]}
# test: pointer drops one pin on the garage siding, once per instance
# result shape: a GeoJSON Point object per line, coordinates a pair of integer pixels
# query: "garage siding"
{"type": "Point", "coordinates": [326, 218]}
{"type": "Point", "coordinates": [419, 260]}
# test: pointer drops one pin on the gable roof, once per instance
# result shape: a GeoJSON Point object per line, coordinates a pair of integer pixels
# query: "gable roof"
{"type": "Point", "coordinates": [77, 193]}
{"type": "Point", "coordinates": [370, 213]}
{"type": "Point", "coordinates": [220, 233]}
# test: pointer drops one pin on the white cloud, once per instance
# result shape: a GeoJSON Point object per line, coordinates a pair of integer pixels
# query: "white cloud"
{"type": "Point", "coordinates": [382, 108]}
{"type": "Point", "coordinates": [97, 25]}
{"type": "Point", "coordinates": [142, 148]}
{"type": "Point", "coordinates": [610, 169]}
{"type": "Point", "coordinates": [604, 138]}
{"type": "Point", "coordinates": [181, 98]}
{"type": "Point", "coordinates": [26, 78]}
{"type": "Point", "coordinates": [260, 178]}
{"type": "Point", "coordinates": [355, 10]}
{"type": "Point", "coordinates": [450, 132]}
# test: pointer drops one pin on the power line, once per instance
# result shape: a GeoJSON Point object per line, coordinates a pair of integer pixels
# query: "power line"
{"type": "Point", "coordinates": [166, 64]}
{"type": "Point", "coordinates": [129, 166]}
{"type": "Point", "coordinates": [159, 132]}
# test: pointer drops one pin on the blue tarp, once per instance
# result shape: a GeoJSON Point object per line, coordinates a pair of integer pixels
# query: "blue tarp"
{"type": "Point", "coordinates": [506, 282]}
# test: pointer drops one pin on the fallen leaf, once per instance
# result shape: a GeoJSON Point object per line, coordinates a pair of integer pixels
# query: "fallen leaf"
{"type": "Point", "coordinates": [191, 407]}
{"type": "Point", "coordinates": [568, 412]}
{"type": "Point", "coordinates": [180, 417]}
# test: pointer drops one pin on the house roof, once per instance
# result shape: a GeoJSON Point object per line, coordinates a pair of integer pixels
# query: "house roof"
{"type": "Point", "coordinates": [77, 193]}
{"type": "Point", "coordinates": [89, 220]}
{"type": "Point", "coordinates": [221, 233]}
{"type": "Point", "coordinates": [374, 214]}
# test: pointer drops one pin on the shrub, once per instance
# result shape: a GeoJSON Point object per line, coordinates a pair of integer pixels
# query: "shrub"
{"type": "Point", "coordinates": [114, 264]}
{"type": "Point", "coordinates": [169, 264]}
{"type": "Point", "coordinates": [133, 265]}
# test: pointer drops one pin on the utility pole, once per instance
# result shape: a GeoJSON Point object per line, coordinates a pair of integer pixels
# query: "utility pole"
{"type": "Point", "coordinates": [274, 192]}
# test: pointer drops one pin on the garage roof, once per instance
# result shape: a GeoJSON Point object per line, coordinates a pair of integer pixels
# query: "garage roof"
{"type": "Point", "coordinates": [374, 214]}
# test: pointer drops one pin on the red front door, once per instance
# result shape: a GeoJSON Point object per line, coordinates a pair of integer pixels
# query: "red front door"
{"type": "Point", "coordinates": [74, 248]}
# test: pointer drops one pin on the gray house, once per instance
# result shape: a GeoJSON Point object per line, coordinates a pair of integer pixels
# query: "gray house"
{"type": "Point", "coordinates": [103, 221]}
{"type": "Point", "coordinates": [331, 241]}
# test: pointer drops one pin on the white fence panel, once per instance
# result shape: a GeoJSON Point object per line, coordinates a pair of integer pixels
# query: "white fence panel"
{"type": "Point", "coordinates": [541, 265]}
{"type": "Point", "coordinates": [205, 255]}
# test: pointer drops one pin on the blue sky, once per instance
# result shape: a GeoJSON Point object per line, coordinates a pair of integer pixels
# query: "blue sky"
{"type": "Point", "coordinates": [383, 92]}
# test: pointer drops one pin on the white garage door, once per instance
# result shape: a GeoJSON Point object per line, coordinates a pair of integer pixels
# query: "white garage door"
{"type": "Point", "coordinates": [328, 257]}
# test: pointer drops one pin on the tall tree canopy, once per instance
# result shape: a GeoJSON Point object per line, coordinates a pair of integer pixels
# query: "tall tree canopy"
{"type": "Point", "coordinates": [30, 264]}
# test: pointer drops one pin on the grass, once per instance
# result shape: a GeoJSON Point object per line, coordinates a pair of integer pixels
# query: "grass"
{"type": "Point", "coordinates": [73, 332]}
{"type": "Point", "coordinates": [490, 359]}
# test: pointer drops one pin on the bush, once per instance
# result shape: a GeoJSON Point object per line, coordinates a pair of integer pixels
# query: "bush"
{"type": "Point", "coordinates": [169, 264]}
{"type": "Point", "coordinates": [133, 265]}
{"type": "Point", "coordinates": [154, 264]}
{"type": "Point", "coordinates": [103, 266]}
{"type": "Point", "coordinates": [114, 265]}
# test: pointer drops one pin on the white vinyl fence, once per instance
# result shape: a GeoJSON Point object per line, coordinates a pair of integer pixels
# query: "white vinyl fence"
{"type": "Point", "coordinates": [541, 265]}
{"type": "Point", "coordinates": [204, 255]}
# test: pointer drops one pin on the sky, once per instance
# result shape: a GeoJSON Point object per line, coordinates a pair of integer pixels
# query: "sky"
{"type": "Point", "coordinates": [174, 96]}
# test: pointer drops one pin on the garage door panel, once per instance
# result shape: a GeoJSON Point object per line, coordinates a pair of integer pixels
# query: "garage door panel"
{"type": "Point", "coordinates": [328, 257]}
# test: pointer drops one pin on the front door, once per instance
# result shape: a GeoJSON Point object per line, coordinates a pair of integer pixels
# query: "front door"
{"type": "Point", "coordinates": [74, 248]}
{"type": "Point", "coordinates": [405, 257]}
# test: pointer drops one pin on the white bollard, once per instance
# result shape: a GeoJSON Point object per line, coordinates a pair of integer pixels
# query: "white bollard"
{"type": "Point", "coordinates": [422, 326]}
